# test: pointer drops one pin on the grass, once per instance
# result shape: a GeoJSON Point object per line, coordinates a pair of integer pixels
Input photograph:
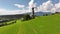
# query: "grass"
{"type": "Point", "coordinates": [39, 25]}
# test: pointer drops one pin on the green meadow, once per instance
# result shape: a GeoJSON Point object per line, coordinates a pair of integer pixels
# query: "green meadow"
{"type": "Point", "coordinates": [39, 25]}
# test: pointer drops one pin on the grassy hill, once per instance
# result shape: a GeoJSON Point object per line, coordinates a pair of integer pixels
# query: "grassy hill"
{"type": "Point", "coordinates": [39, 25]}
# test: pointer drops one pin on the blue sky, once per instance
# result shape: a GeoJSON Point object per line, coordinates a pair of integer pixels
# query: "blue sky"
{"type": "Point", "coordinates": [9, 4]}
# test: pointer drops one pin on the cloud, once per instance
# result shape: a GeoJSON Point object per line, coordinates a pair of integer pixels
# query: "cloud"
{"type": "Point", "coordinates": [57, 7]}
{"type": "Point", "coordinates": [13, 12]}
{"type": "Point", "coordinates": [46, 6]}
{"type": "Point", "coordinates": [31, 3]}
{"type": "Point", "coordinates": [19, 6]}
{"type": "Point", "coordinates": [35, 4]}
{"type": "Point", "coordinates": [49, 7]}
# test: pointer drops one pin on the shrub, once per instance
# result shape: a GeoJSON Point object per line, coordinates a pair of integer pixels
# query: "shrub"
{"type": "Point", "coordinates": [45, 14]}
{"type": "Point", "coordinates": [26, 17]}
{"type": "Point", "coordinates": [53, 14]}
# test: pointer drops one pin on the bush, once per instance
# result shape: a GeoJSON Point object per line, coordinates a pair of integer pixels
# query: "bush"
{"type": "Point", "coordinates": [45, 14]}
{"type": "Point", "coordinates": [26, 17]}
{"type": "Point", "coordinates": [53, 14]}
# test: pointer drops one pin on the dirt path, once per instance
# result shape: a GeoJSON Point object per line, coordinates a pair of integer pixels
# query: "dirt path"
{"type": "Point", "coordinates": [35, 31]}
{"type": "Point", "coordinates": [27, 29]}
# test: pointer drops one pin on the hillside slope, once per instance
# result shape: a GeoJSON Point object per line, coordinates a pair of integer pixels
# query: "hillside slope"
{"type": "Point", "coordinates": [39, 25]}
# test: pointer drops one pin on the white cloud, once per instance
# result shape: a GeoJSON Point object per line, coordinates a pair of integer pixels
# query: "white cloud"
{"type": "Point", "coordinates": [31, 3]}
{"type": "Point", "coordinates": [35, 4]}
{"type": "Point", "coordinates": [7, 12]}
{"type": "Point", "coordinates": [57, 7]}
{"type": "Point", "coordinates": [49, 7]}
{"type": "Point", "coordinates": [19, 6]}
{"type": "Point", "coordinates": [46, 6]}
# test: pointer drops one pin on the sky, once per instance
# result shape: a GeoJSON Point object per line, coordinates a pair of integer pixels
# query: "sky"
{"type": "Point", "coordinates": [22, 6]}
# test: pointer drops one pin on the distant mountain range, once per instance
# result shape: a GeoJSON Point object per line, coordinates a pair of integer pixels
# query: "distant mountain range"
{"type": "Point", "coordinates": [40, 13]}
{"type": "Point", "coordinates": [36, 13]}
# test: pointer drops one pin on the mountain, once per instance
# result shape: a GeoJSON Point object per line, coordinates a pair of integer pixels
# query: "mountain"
{"type": "Point", "coordinates": [40, 13]}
